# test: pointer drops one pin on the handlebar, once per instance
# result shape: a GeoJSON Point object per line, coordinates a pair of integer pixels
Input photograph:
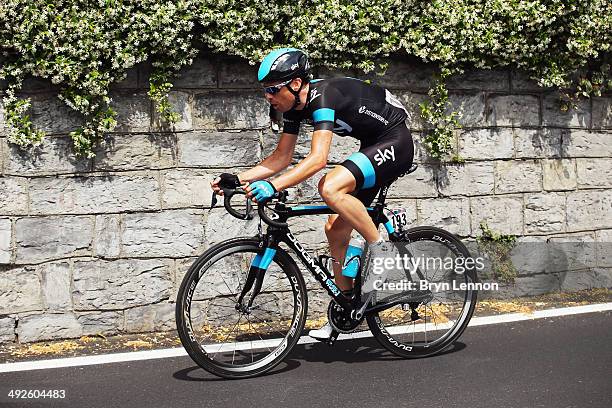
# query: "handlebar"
{"type": "Point", "coordinates": [262, 214]}
{"type": "Point", "coordinates": [228, 193]}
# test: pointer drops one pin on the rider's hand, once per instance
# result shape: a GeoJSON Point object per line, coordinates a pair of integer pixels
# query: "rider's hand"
{"type": "Point", "coordinates": [225, 180]}
{"type": "Point", "coordinates": [261, 191]}
{"type": "Point", "coordinates": [215, 186]}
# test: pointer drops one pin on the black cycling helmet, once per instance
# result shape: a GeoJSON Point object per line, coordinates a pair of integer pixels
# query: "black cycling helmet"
{"type": "Point", "coordinates": [284, 64]}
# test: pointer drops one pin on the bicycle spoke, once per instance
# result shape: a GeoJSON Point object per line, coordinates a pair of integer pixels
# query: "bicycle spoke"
{"type": "Point", "coordinates": [265, 310]}
{"type": "Point", "coordinates": [425, 324]}
{"type": "Point", "coordinates": [259, 335]}
{"type": "Point", "coordinates": [228, 288]}
{"type": "Point", "coordinates": [266, 302]}
{"type": "Point", "coordinates": [245, 268]}
{"type": "Point", "coordinates": [250, 339]}
{"type": "Point", "coordinates": [433, 316]}
{"type": "Point", "coordinates": [224, 295]}
{"type": "Point", "coordinates": [228, 334]}
{"type": "Point", "coordinates": [434, 275]}
{"type": "Point", "coordinates": [270, 284]}
{"type": "Point", "coordinates": [227, 315]}
{"type": "Point", "coordinates": [234, 353]}
{"type": "Point", "coordinates": [272, 330]}
{"type": "Point", "coordinates": [226, 307]}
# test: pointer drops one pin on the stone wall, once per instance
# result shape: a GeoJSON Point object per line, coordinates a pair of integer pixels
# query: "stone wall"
{"type": "Point", "coordinates": [100, 245]}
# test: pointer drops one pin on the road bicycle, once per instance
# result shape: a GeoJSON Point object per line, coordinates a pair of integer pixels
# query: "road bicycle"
{"type": "Point", "coordinates": [242, 305]}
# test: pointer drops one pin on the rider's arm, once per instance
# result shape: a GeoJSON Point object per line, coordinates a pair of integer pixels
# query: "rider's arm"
{"type": "Point", "coordinates": [276, 162]}
{"type": "Point", "coordinates": [311, 164]}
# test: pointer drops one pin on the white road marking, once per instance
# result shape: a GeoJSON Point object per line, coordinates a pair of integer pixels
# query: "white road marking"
{"type": "Point", "coordinates": [247, 345]}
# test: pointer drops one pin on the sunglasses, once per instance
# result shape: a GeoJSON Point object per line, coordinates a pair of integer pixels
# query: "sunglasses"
{"type": "Point", "coordinates": [274, 89]}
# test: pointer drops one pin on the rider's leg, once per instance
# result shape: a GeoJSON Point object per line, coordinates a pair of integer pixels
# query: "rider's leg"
{"type": "Point", "coordinates": [338, 233]}
{"type": "Point", "coordinates": [374, 164]}
{"type": "Point", "coordinates": [358, 173]}
{"type": "Point", "coordinates": [335, 188]}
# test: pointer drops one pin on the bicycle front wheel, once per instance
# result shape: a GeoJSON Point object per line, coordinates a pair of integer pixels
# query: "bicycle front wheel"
{"type": "Point", "coordinates": [222, 335]}
{"type": "Point", "coordinates": [434, 315]}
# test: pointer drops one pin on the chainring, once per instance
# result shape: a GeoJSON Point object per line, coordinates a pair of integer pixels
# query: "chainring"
{"type": "Point", "coordinates": [336, 316]}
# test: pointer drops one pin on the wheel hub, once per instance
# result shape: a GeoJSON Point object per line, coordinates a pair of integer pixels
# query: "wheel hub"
{"type": "Point", "coordinates": [243, 309]}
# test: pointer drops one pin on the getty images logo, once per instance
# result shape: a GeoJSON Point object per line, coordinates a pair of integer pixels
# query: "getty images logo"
{"type": "Point", "coordinates": [383, 156]}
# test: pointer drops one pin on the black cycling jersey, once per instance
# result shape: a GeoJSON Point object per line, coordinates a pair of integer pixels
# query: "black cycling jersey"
{"type": "Point", "coordinates": [348, 107]}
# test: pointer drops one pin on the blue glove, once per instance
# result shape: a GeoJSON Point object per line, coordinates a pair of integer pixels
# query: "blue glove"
{"type": "Point", "coordinates": [263, 190]}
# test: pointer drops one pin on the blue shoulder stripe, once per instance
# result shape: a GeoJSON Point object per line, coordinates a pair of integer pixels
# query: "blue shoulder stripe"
{"type": "Point", "coordinates": [323, 115]}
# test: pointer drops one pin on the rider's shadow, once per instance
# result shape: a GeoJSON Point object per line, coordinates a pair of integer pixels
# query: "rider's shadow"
{"type": "Point", "coordinates": [351, 351]}
{"type": "Point", "coordinates": [195, 373]}
{"type": "Point", "coordinates": [346, 351]}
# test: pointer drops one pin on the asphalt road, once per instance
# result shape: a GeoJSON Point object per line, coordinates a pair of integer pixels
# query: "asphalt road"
{"type": "Point", "coordinates": [555, 362]}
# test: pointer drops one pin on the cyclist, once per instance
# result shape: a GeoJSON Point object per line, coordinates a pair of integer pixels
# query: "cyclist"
{"type": "Point", "coordinates": [346, 107]}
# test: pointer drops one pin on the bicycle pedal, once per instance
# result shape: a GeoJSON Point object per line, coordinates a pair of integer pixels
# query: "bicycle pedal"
{"type": "Point", "coordinates": [332, 338]}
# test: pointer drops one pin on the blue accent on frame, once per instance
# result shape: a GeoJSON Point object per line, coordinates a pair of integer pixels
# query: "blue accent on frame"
{"type": "Point", "coordinates": [266, 64]}
{"type": "Point", "coordinates": [365, 165]}
{"type": "Point", "coordinates": [330, 284]}
{"type": "Point", "coordinates": [256, 261]}
{"type": "Point", "coordinates": [310, 207]}
{"type": "Point", "coordinates": [389, 227]}
{"type": "Point", "coordinates": [315, 81]}
{"type": "Point", "coordinates": [323, 115]}
{"type": "Point", "coordinates": [318, 207]}
{"type": "Point", "coordinates": [263, 261]}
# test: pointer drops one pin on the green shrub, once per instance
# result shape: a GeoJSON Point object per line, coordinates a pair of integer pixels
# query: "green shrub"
{"type": "Point", "coordinates": [84, 46]}
{"type": "Point", "coordinates": [497, 248]}
{"type": "Point", "coordinates": [440, 126]}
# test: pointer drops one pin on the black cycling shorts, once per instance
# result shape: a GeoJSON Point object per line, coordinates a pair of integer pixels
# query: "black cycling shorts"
{"type": "Point", "coordinates": [379, 161]}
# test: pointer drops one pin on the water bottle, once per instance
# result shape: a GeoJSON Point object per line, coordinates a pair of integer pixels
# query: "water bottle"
{"type": "Point", "coordinates": [355, 249]}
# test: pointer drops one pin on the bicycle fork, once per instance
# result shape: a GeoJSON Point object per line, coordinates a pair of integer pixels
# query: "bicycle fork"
{"type": "Point", "coordinates": [255, 277]}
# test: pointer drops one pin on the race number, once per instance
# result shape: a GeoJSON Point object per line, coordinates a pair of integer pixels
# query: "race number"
{"type": "Point", "coordinates": [399, 219]}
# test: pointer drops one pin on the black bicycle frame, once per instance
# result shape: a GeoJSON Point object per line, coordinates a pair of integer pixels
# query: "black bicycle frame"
{"type": "Point", "coordinates": [278, 231]}
{"type": "Point", "coordinates": [275, 235]}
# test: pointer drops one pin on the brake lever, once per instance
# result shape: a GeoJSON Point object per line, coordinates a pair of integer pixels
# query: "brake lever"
{"type": "Point", "coordinates": [213, 200]}
{"type": "Point", "coordinates": [249, 209]}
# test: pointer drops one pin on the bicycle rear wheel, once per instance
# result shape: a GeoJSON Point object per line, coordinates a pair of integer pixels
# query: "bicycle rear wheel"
{"type": "Point", "coordinates": [447, 309]}
{"type": "Point", "coordinates": [223, 336]}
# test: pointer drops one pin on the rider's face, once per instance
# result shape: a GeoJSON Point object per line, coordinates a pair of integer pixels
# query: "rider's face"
{"type": "Point", "coordinates": [282, 100]}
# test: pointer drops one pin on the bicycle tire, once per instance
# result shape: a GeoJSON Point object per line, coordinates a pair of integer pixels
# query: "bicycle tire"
{"type": "Point", "coordinates": [423, 349]}
{"type": "Point", "coordinates": [184, 302]}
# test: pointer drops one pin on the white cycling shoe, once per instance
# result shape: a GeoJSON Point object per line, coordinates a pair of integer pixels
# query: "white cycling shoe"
{"type": "Point", "coordinates": [324, 333]}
